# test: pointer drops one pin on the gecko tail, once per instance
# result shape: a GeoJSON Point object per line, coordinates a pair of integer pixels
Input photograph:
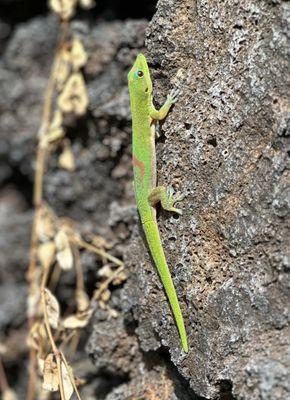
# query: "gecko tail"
{"type": "Point", "coordinates": [155, 246]}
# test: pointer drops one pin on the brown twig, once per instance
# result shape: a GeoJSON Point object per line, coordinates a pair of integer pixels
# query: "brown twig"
{"type": "Point", "coordinates": [55, 350]}
{"type": "Point", "coordinates": [98, 251]}
{"type": "Point", "coordinates": [106, 283]}
{"type": "Point", "coordinates": [79, 270]}
{"type": "Point", "coordinates": [71, 377]}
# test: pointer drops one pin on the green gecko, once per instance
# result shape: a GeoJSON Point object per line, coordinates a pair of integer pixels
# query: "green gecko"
{"type": "Point", "coordinates": [147, 194]}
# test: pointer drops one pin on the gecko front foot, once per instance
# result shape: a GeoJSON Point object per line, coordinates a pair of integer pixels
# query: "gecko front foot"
{"type": "Point", "coordinates": [167, 198]}
{"type": "Point", "coordinates": [173, 96]}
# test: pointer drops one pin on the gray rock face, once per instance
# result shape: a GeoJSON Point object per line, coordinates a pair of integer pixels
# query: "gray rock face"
{"type": "Point", "coordinates": [24, 71]}
{"type": "Point", "coordinates": [15, 222]}
{"type": "Point", "coordinates": [225, 144]}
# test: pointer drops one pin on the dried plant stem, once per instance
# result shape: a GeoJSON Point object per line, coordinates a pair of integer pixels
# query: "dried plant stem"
{"type": "Point", "coordinates": [44, 277]}
{"type": "Point", "coordinates": [54, 278]}
{"type": "Point", "coordinates": [39, 173]}
{"type": "Point", "coordinates": [32, 379]}
{"type": "Point", "coordinates": [71, 377]}
{"type": "Point", "coordinates": [79, 270]}
{"type": "Point", "coordinates": [68, 338]}
{"type": "Point", "coordinates": [55, 350]}
{"type": "Point", "coordinates": [75, 339]}
{"type": "Point", "coordinates": [100, 252]}
{"type": "Point", "coordinates": [46, 322]}
{"type": "Point", "coordinates": [107, 282]}
{"type": "Point", "coordinates": [41, 157]}
{"type": "Point", "coordinates": [47, 108]}
{"type": "Point", "coordinates": [37, 276]}
{"type": "Point", "coordinates": [59, 372]}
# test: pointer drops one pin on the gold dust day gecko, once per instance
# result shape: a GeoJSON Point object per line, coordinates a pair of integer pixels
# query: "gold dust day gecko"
{"type": "Point", "coordinates": [147, 194]}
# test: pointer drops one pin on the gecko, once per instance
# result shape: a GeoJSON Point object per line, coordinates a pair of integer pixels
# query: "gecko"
{"type": "Point", "coordinates": [147, 194]}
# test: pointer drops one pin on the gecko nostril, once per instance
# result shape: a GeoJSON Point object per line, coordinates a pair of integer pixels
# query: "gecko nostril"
{"type": "Point", "coordinates": [146, 90]}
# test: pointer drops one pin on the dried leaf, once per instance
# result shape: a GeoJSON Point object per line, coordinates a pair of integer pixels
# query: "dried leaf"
{"type": "Point", "coordinates": [63, 68]}
{"type": "Point", "coordinates": [41, 364]}
{"type": "Point", "coordinates": [50, 376]}
{"type": "Point", "coordinates": [57, 120]}
{"type": "Point", "coordinates": [78, 55]}
{"type": "Point", "coordinates": [83, 301]}
{"type": "Point", "coordinates": [55, 130]}
{"type": "Point", "coordinates": [37, 337]}
{"type": "Point", "coordinates": [74, 97]}
{"type": "Point", "coordinates": [64, 254]}
{"type": "Point", "coordinates": [73, 322]}
{"type": "Point", "coordinates": [66, 159]}
{"type": "Point", "coordinates": [52, 308]}
{"type": "Point", "coordinates": [87, 4]}
{"type": "Point", "coordinates": [67, 385]}
{"type": "Point", "coordinates": [100, 242]}
{"type": "Point", "coordinates": [77, 321]}
{"type": "Point", "coordinates": [43, 395]}
{"type": "Point", "coordinates": [105, 271]}
{"type": "Point", "coordinates": [113, 313]}
{"type": "Point", "coordinates": [120, 278]}
{"type": "Point", "coordinates": [52, 136]}
{"type": "Point", "coordinates": [46, 224]}
{"type": "Point", "coordinates": [102, 305]}
{"type": "Point", "coordinates": [105, 296]}
{"type": "Point", "coordinates": [9, 394]}
{"type": "Point", "coordinates": [70, 229]}
{"type": "Point", "coordinates": [33, 301]}
{"type": "Point", "coordinates": [46, 254]}
{"type": "Point", "coordinates": [64, 8]}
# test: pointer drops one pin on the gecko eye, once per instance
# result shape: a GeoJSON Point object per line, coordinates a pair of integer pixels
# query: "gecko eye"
{"type": "Point", "coordinates": [140, 74]}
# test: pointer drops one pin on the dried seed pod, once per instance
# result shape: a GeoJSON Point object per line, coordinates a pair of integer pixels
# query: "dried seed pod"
{"type": "Point", "coordinates": [64, 253]}
{"type": "Point", "coordinates": [78, 321]}
{"type": "Point", "coordinates": [64, 8]}
{"type": "Point", "coordinates": [78, 55]}
{"type": "Point", "coordinates": [52, 308]}
{"type": "Point", "coordinates": [83, 301]}
{"type": "Point", "coordinates": [50, 375]}
{"type": "Point", "coordinates": [67, 385]}
{"type": "Point", "coordinates": [74, 97]}
{"type": "Point", "coordinates": [66, 159]}
{"type": "Point", "coordinates": [46, 223]}
{"type": "Point", "coordinates": [46, 254]}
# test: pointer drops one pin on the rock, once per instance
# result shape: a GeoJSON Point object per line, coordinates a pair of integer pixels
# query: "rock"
{"type": "Point", "coordinates": [24, 72]}
{"type": "Point", "coordinates": [15, 223]}
{"type": "Point", "coordinates": [224, 148]}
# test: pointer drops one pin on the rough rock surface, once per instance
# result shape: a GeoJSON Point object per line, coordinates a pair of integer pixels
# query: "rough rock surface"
{"type": "Point", "coordinates": [225, 144]}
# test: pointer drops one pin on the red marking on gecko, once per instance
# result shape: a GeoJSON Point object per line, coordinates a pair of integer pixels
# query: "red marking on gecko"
{"type": "Point", "coordinates": [140, 165]}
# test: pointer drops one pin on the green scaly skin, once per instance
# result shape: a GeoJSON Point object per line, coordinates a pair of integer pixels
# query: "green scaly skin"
{"type": "Point", "coordinates": [144, 116]}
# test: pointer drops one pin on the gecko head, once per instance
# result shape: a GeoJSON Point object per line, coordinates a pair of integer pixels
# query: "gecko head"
{"type": "Point", "coordinates": [139, 76]}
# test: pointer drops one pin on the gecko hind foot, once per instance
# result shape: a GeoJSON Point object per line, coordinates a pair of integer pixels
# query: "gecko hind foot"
{"type": "Point", "coordinates": [167, 198]}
